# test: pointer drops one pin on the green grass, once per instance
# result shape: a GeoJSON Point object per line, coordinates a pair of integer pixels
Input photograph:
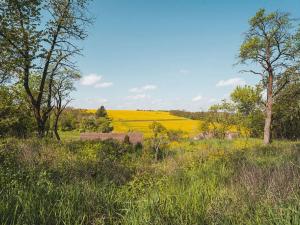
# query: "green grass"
{"type": "Point", "coordinates": [205, 182]}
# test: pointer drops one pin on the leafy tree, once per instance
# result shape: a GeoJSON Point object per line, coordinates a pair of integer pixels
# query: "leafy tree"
{"type": "Point", "coordinates": [40, 37]}
{"type": "Point", "coordinates": [101, 124]}
{"type": "Point", "coordinates": [101, 112]}
{"type": "Point", "coordinates": [71, 118]}
{"type": "Point", "coordinates": [246, 98]}
{"type": "Point", "coordinates": [15, 118]}
{"type": "Point", "coordinates": [104, 125]}
{"type": "Point", "coordinates": [271, 44]}
{"type": "Point", "coordinates": [287, 112]}
{"type": "Point", "coordinates": [248, 103]}
{"type": "Point", "coordinates": [67, 122]}
{"type": "Point", "coordinates": [219, 120]}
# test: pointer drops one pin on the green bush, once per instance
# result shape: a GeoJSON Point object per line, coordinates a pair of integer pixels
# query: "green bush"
{"type": "Point", "coordinates": [101, 124]}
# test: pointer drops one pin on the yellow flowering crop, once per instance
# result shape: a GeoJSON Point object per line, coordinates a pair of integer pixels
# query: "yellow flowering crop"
{"type": "Point", "coordinates": [133, 120]}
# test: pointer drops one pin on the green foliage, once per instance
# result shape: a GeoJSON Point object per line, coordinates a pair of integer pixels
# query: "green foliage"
{"type": "Point", "coordinates": [159, 140]}
{"type": "Point", "coordinates": [68, 123]}
{"type": "Point", "coordinates": [265, 31]}
{"type": "Point", "coordinates": [249, 108]}
{"type": "Point", "coordinates": [71, 119]}
{"type": "Point", "coordinates": [247, 99]}
{"type": "Point", "coordinates": [286, 118]}
{"type": "Point", "coordinates": [220, 119]}
{"type": "Point", "coordinates": [190, 115]}
{"type": "Point", "coordinates": [38, 40]}
{"type": "Point", "coordinates": [101, 112]}
{"type": "Point", "coordinates": [209, 182]}
{"type": "Point", "coordinates": [273, 45]}
{"type": "Point", "coordinates": [15, 119]}
{"type": "Point", "coordinates": [45, 183]}
{"type": "Point", "coordinates": [101, 124]}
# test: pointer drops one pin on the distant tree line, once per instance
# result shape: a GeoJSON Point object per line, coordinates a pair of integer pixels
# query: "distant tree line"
{"type": "Point", "coordinates": [189, 115]}
{"type": "Point", "coordinates": [84, 121]}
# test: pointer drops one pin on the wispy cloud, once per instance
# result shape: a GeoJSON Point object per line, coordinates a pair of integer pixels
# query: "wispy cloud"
{"type": "Point", "coordinates": [103, 85]}
{"type": "Point", "coordinates": [90, 79]}
{"type": "Point", "coordinates": [231, 82]}
{"type": "Point", "coordinates": [137, 97]}
{"type": "Point", "coordinates": [197, 98]}
{"type": "Point", "coordinates": [96, 100]}
{"type": "Point", "coordinates": [147, 87]}
{"type": "Point", "coordinates": [94, 80]}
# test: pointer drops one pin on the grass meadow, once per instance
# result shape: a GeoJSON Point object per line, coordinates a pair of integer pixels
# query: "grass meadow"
{"type": "Point", "coordinates": [197, 182]}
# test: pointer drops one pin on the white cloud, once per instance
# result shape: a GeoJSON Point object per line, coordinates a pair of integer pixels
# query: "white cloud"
{"type": "Point", "coordinates": [147, 87]}
{"type": "Point", "coordinates": [103, 85]}
{"type": "Point", "coordinates": [231, 82]}
{"type": "Point", "coordinates": [94, 80]}
{"type": "Point", "coordinates": [184, 71]}
{"type": "Point", "coordinates": [197, 98]}
{"type": "Point", "coordinates": [137, 97]}
{"type": "Point", "coordinates": [97, 100]}
{"type": "Point", "coordinates": [90, 79]}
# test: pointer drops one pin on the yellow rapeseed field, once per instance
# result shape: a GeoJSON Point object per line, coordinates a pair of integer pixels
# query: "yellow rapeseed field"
{"type": "Point", "coordinates": [133, 120]}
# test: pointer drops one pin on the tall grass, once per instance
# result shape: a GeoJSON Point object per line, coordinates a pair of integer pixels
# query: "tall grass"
{"type": "Point", "coordinates": [206, 182]}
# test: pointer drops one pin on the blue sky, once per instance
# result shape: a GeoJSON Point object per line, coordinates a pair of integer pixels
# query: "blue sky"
{"type": "Point", "coordinates": [166, 54]}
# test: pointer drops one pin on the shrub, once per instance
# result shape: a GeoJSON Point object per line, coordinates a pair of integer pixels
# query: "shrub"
{"type": "Point", "coordinates": [101, 124]}
{"type": "Point", "coordinates": [159, 140]}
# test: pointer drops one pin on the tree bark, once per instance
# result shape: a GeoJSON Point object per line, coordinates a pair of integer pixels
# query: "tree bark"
{"type": "Point", "coordinates": [41, 127]}
{"type": "Point", "coordinates": [268, 120]}
{"type": "Point", "coordinates": [55, 128]}
{"type": "Point", "coordinates": [56, 132]}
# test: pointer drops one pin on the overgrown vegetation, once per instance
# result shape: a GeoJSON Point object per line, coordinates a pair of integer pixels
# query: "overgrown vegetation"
{"type": "Point", "coordinates": [170, 178]}
{"type": "Point", "coordinates": [206, 182]}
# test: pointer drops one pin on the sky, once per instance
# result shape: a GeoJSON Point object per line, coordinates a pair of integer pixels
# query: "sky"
{"type": "Point", "coordinates": [166, 54]}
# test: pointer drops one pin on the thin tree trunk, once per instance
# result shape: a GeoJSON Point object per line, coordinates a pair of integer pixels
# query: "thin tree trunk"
{"type": "Point", "coordinates": [268, 120]}
{"type": "Point", "coordinates": [41, 127]}
{"type": "Point", "coordinates": [55, 128]}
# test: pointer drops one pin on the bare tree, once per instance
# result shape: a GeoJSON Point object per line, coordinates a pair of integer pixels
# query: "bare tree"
{"type": "Point", "coordinates": [39, 37]}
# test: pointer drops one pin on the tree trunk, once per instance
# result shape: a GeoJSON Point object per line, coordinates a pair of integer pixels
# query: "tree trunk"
{"type": "Point", "coordinates": [55, 128]}
{"type": "Point", "coordinates": [268, 120]}
{"type": "Point", "coordinates": [41, 127]}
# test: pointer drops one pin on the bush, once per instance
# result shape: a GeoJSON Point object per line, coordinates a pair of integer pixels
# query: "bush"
{"type": "Point", "coordinates": [15, 118]}
{"type": "Point", "coordinates": [101, 124]}
{"type": "Point", "coordinates": [159, 140]}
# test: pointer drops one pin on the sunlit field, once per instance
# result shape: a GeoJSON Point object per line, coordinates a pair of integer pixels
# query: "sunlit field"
{"type": "Point", "coordinates": [200, 143]}
{"type": "Point", "coordinates": [132, 120]}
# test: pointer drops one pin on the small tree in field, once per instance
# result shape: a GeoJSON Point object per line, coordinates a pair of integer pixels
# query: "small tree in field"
{"type": "Point", "coordinates": [101, 112]}
{"type": "Point", "coordinates": [270, 46]}
{"type": "Point", "coordinates": [159, 139]}
{"type": "Point", "coordinates": [219, 120]}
